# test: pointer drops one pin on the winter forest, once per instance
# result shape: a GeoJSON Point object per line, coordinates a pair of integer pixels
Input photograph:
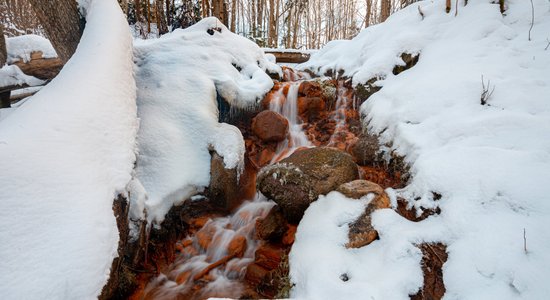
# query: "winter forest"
{"type": "Point", "coordinates": [274, 149]}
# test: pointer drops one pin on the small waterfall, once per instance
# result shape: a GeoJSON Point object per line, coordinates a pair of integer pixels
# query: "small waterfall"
{"type": "Point", "coordinates": [287, 106]}
{"type": "Point", "coordinates": [344, 102]}
{"type": "Point", "coordinates": [213, 261]}
{"type": "Point", "coordinates": [215, 258]}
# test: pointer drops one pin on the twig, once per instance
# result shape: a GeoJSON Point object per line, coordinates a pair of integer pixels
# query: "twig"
{"type": "Point", "coordinates": [532, 18]}
{"type": "Point", "coordinates": [456, 8]}
{"type": "Point", "coordinates": [422, 14]}
{"type": "Point", "coordinates": [435, 253]}
{"type": "Point", "coordinates": [524, 241]}
{"type": "Point", "coordinates": [485, 93]}
{"type": "Point", "coordinates": [548, 45]}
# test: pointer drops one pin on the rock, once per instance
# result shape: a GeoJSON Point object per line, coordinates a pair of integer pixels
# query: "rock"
{"type": "Point", "coordinates": [310, 89]}
{"type": "Point", "coordinates": [205, 235]}
{"type": "Point", "coordinates": [272, 227]}
{"type": "Point", "coordinates": [359, 188]}
{"type": "Point", "coordinates": [268, 256]}
{"type": "Point", "coordinates": [270, 126]}
{"type": "Point", "coordinates": [361, 232]}
{"type": "Point", "coordinates": [290, 234]}
{"type": "Point", "coordinates": [409, 61]}
{"type": "Point", "coordinates": [223, 191]}
{"type": "Point", "coordinates": [329, 90]}
{"type": "Point", "coordinates": [364, 91]}
{"type": "Point", "coordinates": [310, 108]}
{"type": "Point", "coordinates": [365, 150]}
{"type": "Point", "coordinates": [296, 181]}
{"type": "Point", "coordinates": [255, 273]}
{"type": "Point", "coordinates": [237, 246]}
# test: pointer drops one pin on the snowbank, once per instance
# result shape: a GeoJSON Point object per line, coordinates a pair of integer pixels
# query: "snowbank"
{"type": "Point", "coordinates": [323, 268]}
{"type": "Point", "coordinates": [67, 153]}
{"type": "Point", "coordinates": [179, 76]}
{"type": "Point", "coordinates": [12, 75]}
{"type": "Point", "coordinates": [490, 162]}
{"type": "Point", "coordinates": [21, 47]}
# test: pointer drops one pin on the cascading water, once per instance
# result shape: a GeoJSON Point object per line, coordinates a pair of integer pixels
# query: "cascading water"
{"type": "Point", "coordinates": [287, 106]}
{"type": "Point", "coordinates": [214, 260]}
{"type": "Point", "coordinates": [344, 102]}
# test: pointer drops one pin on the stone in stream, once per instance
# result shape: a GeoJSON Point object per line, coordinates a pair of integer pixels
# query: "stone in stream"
{"type": "Point", "coordinates": [310, 108]}
{"type": "Point", "coordinates": [366, 149]}
{"type": "Point", "coordinates": [272, 227]}
{"type": "Point", "coordinates": [361, 232]}
{"type": "Point", "coordinates": [223, 190]}
{"type": "Point", "coordinates": [270, 126]}
{"type": "Point", "coordinates": [296, 181]}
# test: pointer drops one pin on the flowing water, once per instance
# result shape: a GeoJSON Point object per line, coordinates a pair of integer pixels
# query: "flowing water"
{"type": "Point", "coordinates": [287, 106]}
{"type": "Point", "coordinates": [213, 262]}
{"type": "Point", "coordinates": [344, 102]}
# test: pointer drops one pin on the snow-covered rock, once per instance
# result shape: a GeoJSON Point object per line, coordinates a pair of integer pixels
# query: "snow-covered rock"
{"type": "Point", "coordinates": [490, 163]}
{"type": "Point", "coordinates": [21, 47]}
{"type": "Point", "coordinates": [67, 152]}
{"type": "Point", "coordinates": [12, 75]}
{"type": "Point", "coordinates": [179, 77]}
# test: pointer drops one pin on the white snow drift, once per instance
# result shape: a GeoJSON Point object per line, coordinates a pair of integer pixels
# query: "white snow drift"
{"type": "Point", "coordinates": [179, 76]}
{"type": "Point", "coordinates": [66, 154]}
{"type": "Point", "coordinates": [490, 162]}
{"type": "Point", "coordinates": [21, 47]}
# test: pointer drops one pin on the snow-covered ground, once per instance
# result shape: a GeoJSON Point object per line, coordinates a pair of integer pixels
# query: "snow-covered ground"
{"type": "Point", "coordinates": [67, 153]}
{"type": "Point", "coordinates": [178, 76]}
{"type": "Point", "coordinates": [21, 47]}
{"type": "Point", "coordinates": [12, 75]}
{"type": "Point", "coordinates": [491, 163]}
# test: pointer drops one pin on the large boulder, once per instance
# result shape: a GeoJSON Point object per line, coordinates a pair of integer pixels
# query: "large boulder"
{"type": "Point", "coordinates": [270, 126]}
{"type": "Point", "coordinates": [296, 181]}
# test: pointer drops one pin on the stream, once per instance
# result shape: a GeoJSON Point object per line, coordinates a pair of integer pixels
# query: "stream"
{"type": "Point", "coordinates": [223, 255]}
{"type": "Point", "coordinates": [213, 262]}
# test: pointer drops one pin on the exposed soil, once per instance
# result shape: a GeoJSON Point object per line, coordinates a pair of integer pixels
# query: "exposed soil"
{"type": "Point", "coordinates": [434, 256]}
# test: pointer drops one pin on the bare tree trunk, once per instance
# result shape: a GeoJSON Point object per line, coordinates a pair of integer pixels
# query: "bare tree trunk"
{"type": "Point", "coordinates": [161, 17]}
{"type": "Point", "coordinates": [3, 51]}
{"type": "Point", "coordinates": [219, 10]}
{"type": "Point", "coordinates": [62, 24]}
{"type": "Point", "coordinates": [233, 14]}
{"type": "Point", "coordinates": [272, 36]}
{"type": "Point", "coordinates": [385, 10]}
{"type": "Point", "coordinates": [137, 8]}
{"type": "Point", "coordinates": [4, 96]}
{"type": "Point", "coordinates": [124, 6]}
{"type": "Point", "coordinates": [148, 8]}
{"type": "Point", "coordinates": [368, 13]}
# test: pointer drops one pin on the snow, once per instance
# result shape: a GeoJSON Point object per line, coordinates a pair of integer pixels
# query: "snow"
{"type": "Point", "coordinates": [179, 76]}
{"type": "Point", "coordinates": [21, 47]}
{"type": "Point", "coordinates": [319, 258]}
{"type": "Point", "coordinates": [67, 152]}
{"type": "Point", "coordinates": [12, 75]}
{"type": "Point", "coordinates": [490, 163]}
{"type": "Point", "coordinates": [284, 50]}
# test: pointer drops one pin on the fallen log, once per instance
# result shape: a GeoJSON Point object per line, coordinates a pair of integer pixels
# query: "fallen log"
{"type": "Point", "coordinates": [40, 67]}
{"type": "Point", "coordinates": [295, 57]}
